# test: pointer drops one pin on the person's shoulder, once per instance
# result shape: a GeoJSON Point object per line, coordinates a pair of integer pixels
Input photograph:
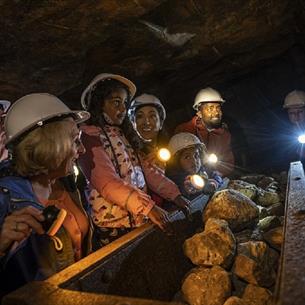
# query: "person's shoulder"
{"type": "Point", "coordinates": [188, 126]}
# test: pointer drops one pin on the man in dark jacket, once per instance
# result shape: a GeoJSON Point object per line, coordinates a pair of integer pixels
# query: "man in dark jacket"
{"type": "Point", "coordinates": [207, 125]}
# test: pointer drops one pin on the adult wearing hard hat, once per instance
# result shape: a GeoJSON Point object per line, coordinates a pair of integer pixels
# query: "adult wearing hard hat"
{"type": "Point", "coordinates": [147, 115]}
{"type": "Point", "coordinates": [295, 104]}
{"type": "Point", "coordinates": [208, 127]}
{"type": "Point", "coordinates": [44, 141]}
{"type": "Point", "coordinates": [4, 105]}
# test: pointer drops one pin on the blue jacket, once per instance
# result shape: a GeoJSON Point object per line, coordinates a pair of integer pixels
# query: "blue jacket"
{"type": "Point", "coordinates": [36, 257]}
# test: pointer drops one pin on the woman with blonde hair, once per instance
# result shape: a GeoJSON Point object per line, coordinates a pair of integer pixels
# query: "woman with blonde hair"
{"type": "Point", "coordinates": [44, 141]}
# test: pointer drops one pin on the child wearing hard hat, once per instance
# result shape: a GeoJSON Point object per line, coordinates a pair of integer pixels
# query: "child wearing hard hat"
{"type": "Point", "coordinates": [186, 167]}
{"type": "Point", "coordinates": [118, 177]}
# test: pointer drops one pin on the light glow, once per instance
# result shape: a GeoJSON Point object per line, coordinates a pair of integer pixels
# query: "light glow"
{"type": "Point", "coordinates": [197, 182]}
{"type": "Point", "coordinates": [301, 138]}
{"type": "Point", "coordinates": [164, 154]}
{"type": "Point", "coordinates": [212, 158]}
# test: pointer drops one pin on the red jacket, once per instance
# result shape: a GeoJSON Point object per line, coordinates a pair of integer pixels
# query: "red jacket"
{"type": "Point", "coordinates": [217, 141]}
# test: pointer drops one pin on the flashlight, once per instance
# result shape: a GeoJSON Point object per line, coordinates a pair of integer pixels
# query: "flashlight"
{"type": "Point", "coordinates": [164, 154]}
{"type": "Point", "coordinates": [197, 182]}
{"type": "Point", "coordinates": [212, 158]}
{"type": "Point", "coordinates": [54, 218]}
{"type": "Point", "coordinates": [301, 138]}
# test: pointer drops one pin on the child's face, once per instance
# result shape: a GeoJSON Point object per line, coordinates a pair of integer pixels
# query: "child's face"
{"type": "Point", "coordinates": [115, 106]}
{"type": "Point", "coordinates": [190, 160]}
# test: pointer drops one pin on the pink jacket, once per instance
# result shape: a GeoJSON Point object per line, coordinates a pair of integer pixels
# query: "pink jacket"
{"type": "Point", "coordinates": [113, 198]}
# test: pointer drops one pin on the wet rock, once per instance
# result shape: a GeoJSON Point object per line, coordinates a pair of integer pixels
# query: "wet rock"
{"type": "Point", "coordinates": [269, 223]}
{"type": "Point", "coordinates": [255, 295]}
{"type": "Point", "coordinates": [236, 208]}
{"type": "Point", "coordinates": [216, 245]}
{"type": "Point", "coordinates": [277, 209]}
{"type": "Point", "coordinates": [254, 263]}
{"type": "Point", "coordinates": [250, 190]}
{"type": "Point", "coordinates": [267, 198]}
{"type": "Point", "coordinates": [207, 286]}
{"type": "Point", "coordinates": [234, 301]}
{"type": "Point", "coordinates": [274, 237]}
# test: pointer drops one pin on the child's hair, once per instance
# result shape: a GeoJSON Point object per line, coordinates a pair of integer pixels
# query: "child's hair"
{"type": "Point", "coordinates": [99, 93]}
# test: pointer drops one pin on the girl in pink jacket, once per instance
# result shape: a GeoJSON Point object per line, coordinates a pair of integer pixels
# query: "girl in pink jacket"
{"type": "Point", "coordinates": [118, 177]}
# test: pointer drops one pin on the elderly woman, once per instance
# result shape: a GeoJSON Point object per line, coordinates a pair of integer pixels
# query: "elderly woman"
{"type": "Point", "coordinates": [44, 140]}
{"type": "Point", "coordinates": [147, 115]}
{"type": "Point", "coordinates": [118, 177]}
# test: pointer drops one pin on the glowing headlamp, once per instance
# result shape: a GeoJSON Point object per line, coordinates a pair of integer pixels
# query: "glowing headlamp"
{"type": "Point", "coordinates": [212, 158]}
{"type": "Point", "coordinates": [301, 138]}
{"type": "Point", "coordinates": [197, 182]}
{"type": "Point", "coordinates": [164, 154]}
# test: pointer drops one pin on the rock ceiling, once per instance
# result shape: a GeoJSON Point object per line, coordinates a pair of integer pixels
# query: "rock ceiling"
{"type": "Point", "coordinates": [57, 45]}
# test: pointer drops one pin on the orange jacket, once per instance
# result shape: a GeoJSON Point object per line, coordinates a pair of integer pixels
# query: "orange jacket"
{"type": "Point", "coordinates": [113, 194]}
{"type": "Point", "coordinates": [217, 141]}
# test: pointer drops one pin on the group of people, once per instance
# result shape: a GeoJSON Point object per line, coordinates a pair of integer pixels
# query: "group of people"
{"type": "Point", "coordinates": [114, 141]}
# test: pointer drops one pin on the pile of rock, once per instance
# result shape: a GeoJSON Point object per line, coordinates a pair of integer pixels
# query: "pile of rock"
{"type": "Point", "coordinates": [237, 253]}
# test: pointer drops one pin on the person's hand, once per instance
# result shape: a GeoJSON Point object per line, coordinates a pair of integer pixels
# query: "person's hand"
{"type": "Point", "coordinates": [188, 186]}
{"type": "Point", "coordinates": [184, 205]}
{"type": "Point", "coordinates": [209, 188]}
{"type": "Point", "coordinates": [160, 218]}
{"type": "Point", "coordinates": [19, 225]}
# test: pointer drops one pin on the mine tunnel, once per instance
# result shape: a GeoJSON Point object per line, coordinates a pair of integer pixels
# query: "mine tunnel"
{"type": "Point", "coordinates": [252, 54]}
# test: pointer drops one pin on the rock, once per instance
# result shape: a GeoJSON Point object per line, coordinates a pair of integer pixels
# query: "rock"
{"type": "Point", "coordinates": [238, 286]}
{"type": "Point", "coordinates": [269, 223]}
{"type": "Point", "coordinates": [277, 209]}
{"type": "Point", "coordinates": [207, 286]}
{"type": "Point", "coordinates": [265, 182]}
{"type": "Point", "coordinates": [267, 198]}
{"type": "Point", "coordinates": [263, 212]}
{"type": "Point", "coordinates": [254, 263]}
{"type": "Point", "coordinates": [250, 190]}
{"type": "Point", "coordinates": [243, 236]}
{"type": "Point", "coordinates": [274, 237]}
{"type": "Point", "coordinates": [237, 209]}
{"type": "Point", "coordinates": [216, 245]}
{"type": "Point", "coordinates": [234, 301]}
{"type": "Point", "coordinates": [253, 179]}
{"type": "Point", "coordinates": [255, 295]}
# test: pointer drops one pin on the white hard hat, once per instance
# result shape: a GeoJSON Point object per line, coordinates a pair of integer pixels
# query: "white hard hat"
{"type": "Point", "coordinates": [295, 98]}
{"type": "Point", "coordinates": [35, 109]}
{"type": "Point", "coordinates": [146, 100]}
{"type": "Point", "coordinates": [5, 104]}
{"type": "Point", "coordinates": [207, 95]}
{"type": "Point", "coordinates": [183, 140]}
{"type": "Point", "coordinates": [85, 98]}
